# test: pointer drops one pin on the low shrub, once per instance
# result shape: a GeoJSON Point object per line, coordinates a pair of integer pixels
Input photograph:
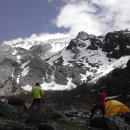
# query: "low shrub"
{"type": "Point", "coordinates": [15, 100]}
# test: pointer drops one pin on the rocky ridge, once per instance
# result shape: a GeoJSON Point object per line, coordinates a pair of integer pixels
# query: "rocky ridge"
{"type": "Point", "coordinates": [83, 59]}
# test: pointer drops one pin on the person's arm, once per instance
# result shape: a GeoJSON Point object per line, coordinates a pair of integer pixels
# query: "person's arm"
{"type": "Point", "coordinates": [41, 92]}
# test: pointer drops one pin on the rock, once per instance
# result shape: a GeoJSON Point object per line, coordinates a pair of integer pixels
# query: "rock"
{"type": "Point", "coordinates": [115, 44]}
{"type": "Point", "coordinates": [126, 117]}
{"type": "Point", "coordinates": [42, 116]}
{"type": "Point", "coordinates": [83, 35]}
{"type": "Point", "coordinates": [6, 124]}
{"type": "Point", "coordinates": [117, 82]}
{"type": "Point", "coordinates": [45, 127]}
{"type": "Point", "coordinates": [109, 123]}
{"type": "Point", "coordinates": [36, 117]}
{"type": "Point", "coordinates": [8, 111]}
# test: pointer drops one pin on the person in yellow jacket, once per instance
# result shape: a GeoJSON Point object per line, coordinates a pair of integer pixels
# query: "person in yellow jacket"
{"type": "Point", "coordinates": [37, 95]}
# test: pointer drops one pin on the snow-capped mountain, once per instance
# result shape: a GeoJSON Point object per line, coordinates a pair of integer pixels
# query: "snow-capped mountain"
{"type": "Point", "coordinates": [89, 54]}
{"type": "Point", "coordinates": [61, 63]}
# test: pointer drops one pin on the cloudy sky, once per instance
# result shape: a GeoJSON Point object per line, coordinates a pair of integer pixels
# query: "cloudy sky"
{"type": "Point", "coordinates": [35, 18]}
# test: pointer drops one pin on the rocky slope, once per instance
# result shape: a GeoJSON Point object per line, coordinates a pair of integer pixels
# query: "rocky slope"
{"type": "Point", "coordinates": [59, 64]}
{"type": "Point", "coordinates": [88, 61]}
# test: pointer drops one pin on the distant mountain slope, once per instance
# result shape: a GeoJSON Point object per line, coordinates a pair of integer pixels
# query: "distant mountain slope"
{"type": "Point", "coordinates": [116, 83]}
{"type": "Point", "coordinates": [60, 64]}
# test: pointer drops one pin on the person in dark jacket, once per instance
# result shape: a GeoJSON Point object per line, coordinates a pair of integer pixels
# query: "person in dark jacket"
{"type": "Point", "coordinates": [101, 102]}
{"type": "Point", "coordinates": [37, 95]}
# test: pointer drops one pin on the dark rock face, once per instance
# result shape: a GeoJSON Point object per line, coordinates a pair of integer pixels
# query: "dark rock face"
{"type": "Point", "coordinates": [13, 117]}
{"type": "Point", "coordinates": [6, 124]}
{"type": "Point", "coordinates": [83, 35]}
{"type": "Point", "coordinates": [116, 44]}
{"type": "Point", "coordinates": [84, 60]}
{"type": "Point", "coordinates": [42, 116]}
{"type": "Point", "coordinates": [36, 73]}
{"type": "Point", "coordinates": [40, 49]}
{"type": "Point", "coordinates": [45, 127]}
{"type": "Point", "coordinates": [62, 72]}
{"type": "Point", "coordinates": [73, 46]}
{"type": "Point", "coordinates": [117, 82]}
{"type": "Point", "coordinates": [12, 112]}
{"type": "Point", "coordinates": [109, 123]}
{"type": "Point", "coordinates": [126, 117]}
{"type": "Point", "coordinates": [8, 110]}
{"type": "Point", "coordinates": [80, 40]}
{"type": "Point", "coordinates": [128, 66]}
{"type": "Point", "coordinates": [95, 44]}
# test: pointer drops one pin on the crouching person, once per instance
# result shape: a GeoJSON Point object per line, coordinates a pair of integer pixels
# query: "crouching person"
{"type": "Point", "coordinates": [101, 102]}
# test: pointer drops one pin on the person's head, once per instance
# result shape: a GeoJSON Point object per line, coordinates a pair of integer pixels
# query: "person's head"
{"type": "Point", "coordinates": [37, 84]}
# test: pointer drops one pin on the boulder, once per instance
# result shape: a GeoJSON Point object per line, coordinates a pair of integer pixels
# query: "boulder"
{"type": "Point", "coordinates": [109, 123]}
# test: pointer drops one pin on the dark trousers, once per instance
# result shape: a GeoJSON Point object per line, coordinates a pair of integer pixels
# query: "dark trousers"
{"type": "Point", "coordinates": [95, 107]}
{"type": "Point", "coordinates": [37, 102]}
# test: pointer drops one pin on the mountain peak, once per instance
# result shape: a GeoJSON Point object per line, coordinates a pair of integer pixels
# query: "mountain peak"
{"type": "Point", "coordinates": [64, 64]}
{"type": "Point", "coordinates": [82, 35]}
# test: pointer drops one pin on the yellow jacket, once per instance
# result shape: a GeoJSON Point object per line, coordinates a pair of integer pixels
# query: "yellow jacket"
{"type": "Point", "coordinates": [37, 92]}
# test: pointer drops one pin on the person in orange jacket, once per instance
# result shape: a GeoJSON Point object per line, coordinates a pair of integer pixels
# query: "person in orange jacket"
{"type": "Point", "coordinates": [101, 102]}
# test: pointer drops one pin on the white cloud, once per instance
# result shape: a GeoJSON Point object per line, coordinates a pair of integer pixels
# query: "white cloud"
{"type": "Point", "coordinates": [39, 37]}
{"type": "Point", "coordinates": [49, 1]}
{"type": "Point", "coordinates": [92, 16]}
{"type": "Point", "coordinates": [47, 36]}
{"type": "Point", "coordinates": [95, 16]}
